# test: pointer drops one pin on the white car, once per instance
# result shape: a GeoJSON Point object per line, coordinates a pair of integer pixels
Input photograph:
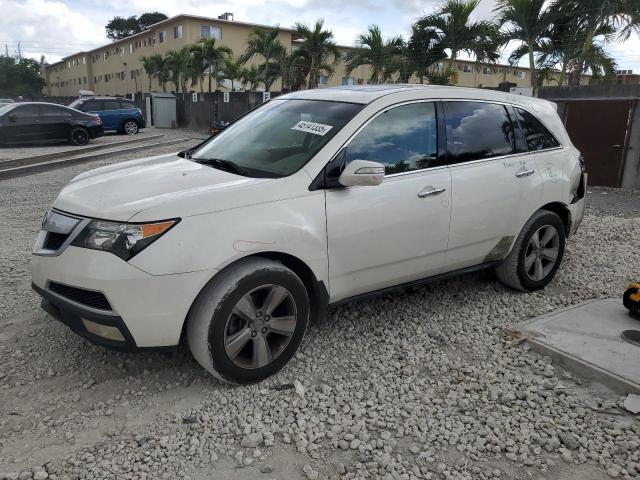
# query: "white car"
{"type": "Point", "coordinates": [312, 199]}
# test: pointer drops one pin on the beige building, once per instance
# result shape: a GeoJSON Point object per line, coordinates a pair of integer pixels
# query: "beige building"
{"type": "Point", "coordinates": [116, 68]}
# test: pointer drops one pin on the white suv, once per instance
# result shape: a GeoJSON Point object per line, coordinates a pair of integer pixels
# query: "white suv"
{"type": "Point", "coordinates": [312, 199]}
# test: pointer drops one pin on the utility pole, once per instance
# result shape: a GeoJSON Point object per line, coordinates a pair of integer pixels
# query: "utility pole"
{"type": "Point", "coordinates": [6, 50]}
{"type": "Point", "coordinates": [19, 52]}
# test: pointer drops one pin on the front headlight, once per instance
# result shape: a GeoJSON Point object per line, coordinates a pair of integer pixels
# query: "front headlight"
{"type": "Point", "coordinates": [122, 239]}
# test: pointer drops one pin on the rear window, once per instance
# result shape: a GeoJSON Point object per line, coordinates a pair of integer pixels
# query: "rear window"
{"type": "Point", "coordinates": [111, 104]}
{"type": "Point", "coordinates": [478, 130]}
{"type": "Point", "coordinates": [535, 133]}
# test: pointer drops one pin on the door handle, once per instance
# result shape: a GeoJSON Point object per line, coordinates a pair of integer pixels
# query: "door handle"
{"type": "Point", "coordinates": [429, 191]}
{"type": "Point", "coordinates": [525, 173]}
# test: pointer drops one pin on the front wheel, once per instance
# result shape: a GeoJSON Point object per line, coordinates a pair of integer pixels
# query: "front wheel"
{"type": "Point", "coordinates": [130, 127]}
{"type": "Point", "coordinates": [248, 322]}
{"type": "Point", "coordinates": [79, 136]}
{"type": "Point", "coordinates": [536, 254]}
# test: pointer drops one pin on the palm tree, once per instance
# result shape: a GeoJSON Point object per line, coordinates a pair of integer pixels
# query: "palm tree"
{"type": "Point", "coordinates": [214, 56]}
{"type": "Point", "coordinates": [251, 78]}
{"type": "Point", "coordinates": [373, 50]}
{"type": "Point", "coordinates": [424, 49]}
{"type": "Point", "coordinates": [178, 62]}
{"type": "Point", "coordinates": [264, 42]}
{"type": "Point", "coordinates": [526, 21]}
{"type": "Point", "coordinates": [153, 66]}
{"type": "Point", "coordinates": [232, 71]}
{"type": "Point", "coordinates": [318, 49]}
{"type": "Point", "coordinates": [457, 32]}
{"type": "Point", "coordinates": [621, 15]}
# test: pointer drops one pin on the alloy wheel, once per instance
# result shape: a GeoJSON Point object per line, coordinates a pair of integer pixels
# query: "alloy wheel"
{"type": "Point", "coordinates": [542, 252]}
{"type": "Point", "coordinates": [260, 326]}
{"type": "Point", "coordinates": [131, 127]}
{"type": "Point", "coordinates": [80, 137]}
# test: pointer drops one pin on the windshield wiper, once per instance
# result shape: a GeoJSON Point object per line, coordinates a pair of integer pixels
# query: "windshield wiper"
{"type": "Point", "coordinates": [227, 165]}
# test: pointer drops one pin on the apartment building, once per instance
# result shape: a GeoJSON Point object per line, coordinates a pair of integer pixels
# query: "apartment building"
{"type": "Point", "coordinates": [116, 68]}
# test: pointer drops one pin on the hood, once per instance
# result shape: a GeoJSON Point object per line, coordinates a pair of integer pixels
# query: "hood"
{"type": "Point", "coordinates": [164, 186]}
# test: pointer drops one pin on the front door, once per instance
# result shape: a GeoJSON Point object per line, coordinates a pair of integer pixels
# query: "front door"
{"type": "Point", "coordinates": [22, 124]}
{"type": "Point", "coordinates": [396, 232]}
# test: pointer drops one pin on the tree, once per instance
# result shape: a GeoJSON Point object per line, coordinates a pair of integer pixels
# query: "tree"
{"type": "Point", "coordinates": [214, 56]}
{"type": "Point", "coordinates": [152, 65]}
{"type": "Point", "coordinates": [526, 21]}
{"type": "Point", "coordinates": [318, 49]}
{"type": "Point", "coordinates": [20, 77]}
{"type": "Point", "coordinates": [264, 42]}
{"type": "Point", "coordinates": [232, 71]}
{"type": "Point", "coordinates": [621, 15]}
{"type": "Point", "coordinates": [457, 32]}
{"type": "Point", "coordinates": [120, 27]}
{"type": "Point", "coordinates": [251, 78]}
{"type": "Point", "coordinates": [373, 50]}
{"type": "Point", "coordinates": [179, 64]}
{"type": "Point", "coordinates": [425, 50]}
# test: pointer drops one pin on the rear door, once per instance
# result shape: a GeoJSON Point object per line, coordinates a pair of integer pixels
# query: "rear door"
{"type": "Point", "coordinates": [113, 115]}
{"type": "Point", "coordinates": [54, 122]}
{"type": "Point", "coordinates": [496, 185]}
{"type": "Point", "coordinates": [94, 106]}
{"type": "Point", "coordinates": [395, 232]}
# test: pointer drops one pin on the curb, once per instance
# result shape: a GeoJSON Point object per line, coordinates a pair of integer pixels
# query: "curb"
{"type": "Point", "coordinates": [65, 162]}
{"type": "Point", "coordinates": [73, 152]}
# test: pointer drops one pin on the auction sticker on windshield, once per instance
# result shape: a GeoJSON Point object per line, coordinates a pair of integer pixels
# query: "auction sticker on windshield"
{"type": "Point", "coordinates": [312, 127]}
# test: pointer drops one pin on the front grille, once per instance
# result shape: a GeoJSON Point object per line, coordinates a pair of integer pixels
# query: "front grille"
{"type": "Point", "coordinates": [79, 295]}
{"type": "Point", "coordinates": [54, 241]}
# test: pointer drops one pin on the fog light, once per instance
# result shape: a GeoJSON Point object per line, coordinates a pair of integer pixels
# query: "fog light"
{"type": "Point", "coordinates": [105, 331]}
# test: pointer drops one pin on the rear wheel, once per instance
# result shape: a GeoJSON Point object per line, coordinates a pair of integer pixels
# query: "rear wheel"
{"type": "Point", "coordinates": [130, 127]}
{"type": "Point", "coordinates": [79, 136]}
{"type": "Point", "coordinates": [536, 254]}
{"type": "Point", "coordinates": [248, 322]}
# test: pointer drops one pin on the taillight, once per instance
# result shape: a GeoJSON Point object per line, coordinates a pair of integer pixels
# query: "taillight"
{"type": "Point", "coordinates": [583, 165]}
{"type": "Point", "coordinates": [139, 111]}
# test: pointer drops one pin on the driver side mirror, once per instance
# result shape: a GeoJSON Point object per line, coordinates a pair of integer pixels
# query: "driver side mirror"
{"type": "Point", "coordinates": [362, 173]}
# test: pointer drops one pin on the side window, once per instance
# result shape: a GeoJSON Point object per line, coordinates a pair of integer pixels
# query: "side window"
{"type": "Point", "coordinates": [91, 106]}
{"type": "Point", "coordinates": [50, 111]}
{"type": "Point", "coordinates": [26, 113]}
{"type": "Point", "coordinates": [478, 130]}
{"type": "Point", "coordinates": [403, 139]}
{"type": "Point", "coordinates": [535, 133]}
{"type": "Point", "coordinates": [126, 105]}
{"type": "Point", "coordinates": [111, 105]}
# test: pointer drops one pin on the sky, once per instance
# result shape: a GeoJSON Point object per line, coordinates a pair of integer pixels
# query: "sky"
{"type": "Point", "coordinates": [56, 28]}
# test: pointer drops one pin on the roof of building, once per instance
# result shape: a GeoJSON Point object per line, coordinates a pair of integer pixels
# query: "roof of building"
{"type": "Point", "coordinates": [368, 93]}
{"type": "Point", "coordinates": [168, 20]}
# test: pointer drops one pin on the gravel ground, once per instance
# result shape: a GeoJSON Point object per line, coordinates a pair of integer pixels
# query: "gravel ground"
{"type": "Point", "coordinates": [422, 384]}
{"type": "Point", "coordinates": [12, 152]}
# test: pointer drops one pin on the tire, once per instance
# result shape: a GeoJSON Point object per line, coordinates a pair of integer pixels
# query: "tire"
{"type": "Point", "coordinates": [130, 127]}
{"type": "Point", "coordinates": [518, 271]}
{"type": "Point", "coordinates": [79, 136]}
{"type": "Point", "coordinates": [214, 322]}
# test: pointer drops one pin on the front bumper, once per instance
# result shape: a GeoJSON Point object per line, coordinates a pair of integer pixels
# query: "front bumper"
{"type": "Point", "coordinates": [149, 310]}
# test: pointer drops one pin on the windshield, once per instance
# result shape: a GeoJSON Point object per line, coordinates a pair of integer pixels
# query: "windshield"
{"type": "Point", "coordinates": [76, 103]}
{"type": "Point", "coordinates": [6, 108]}
{"type": "Point", "coordinates": [278, 138]}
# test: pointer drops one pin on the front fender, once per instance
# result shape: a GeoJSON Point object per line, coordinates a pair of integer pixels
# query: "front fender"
{"type": "Point", "coordinates": [294, 226]}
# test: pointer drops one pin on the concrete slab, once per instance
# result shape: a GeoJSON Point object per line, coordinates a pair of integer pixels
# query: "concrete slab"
{"type": "Point", "coordinates": [586, 339]}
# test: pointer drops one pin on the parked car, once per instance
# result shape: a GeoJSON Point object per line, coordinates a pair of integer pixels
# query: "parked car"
{"type": "Point", "coordinates": [315, 198]}
{"type": "Point", "coordinates": [46, 122]}
{"type": "Point", "coordinates": [117, 114]}
{"type": "Point", "coordinates": [5, 101]}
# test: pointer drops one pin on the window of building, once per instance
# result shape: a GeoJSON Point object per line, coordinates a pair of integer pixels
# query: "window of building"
{"type": "Point", "coordinates": [177, 31]}
{"type": "Point", "coordinates": [323, 80]}
{"type": "Point", "coordinates": [402, 139]}
{"type": "Point", "coordinates": [161, 36]}
{"type": "Point", "coordinates": [348, 81]}
{"type": "Point", "coordinates": [208, 31]}
{"type": "Point", "coordinates": [131, 48]}
{"type": "Point", "coordinates": [535, 133]}
{"type": "Point", "coordinates": [477, 130]}
{"type": "Point", "coordinates": [467, 69]}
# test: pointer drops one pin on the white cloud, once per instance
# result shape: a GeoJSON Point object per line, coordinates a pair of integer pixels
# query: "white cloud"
{"type": "Point", "coordinates": [46, 27]}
